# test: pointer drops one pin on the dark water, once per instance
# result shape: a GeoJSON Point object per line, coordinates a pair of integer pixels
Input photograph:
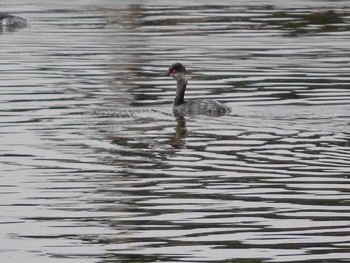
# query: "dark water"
{"type": "Point", "coordinates": [95, 168]}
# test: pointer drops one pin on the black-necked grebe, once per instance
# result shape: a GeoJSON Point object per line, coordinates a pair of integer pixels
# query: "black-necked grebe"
{"type": "Point", "coordinates": [12, 22]}
{"type": "Point", "coordinates": [196, 106]}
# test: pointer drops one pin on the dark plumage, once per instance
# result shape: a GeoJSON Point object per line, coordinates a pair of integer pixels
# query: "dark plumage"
{"type": "Point", "coordinates": [12, 22]}
{"type": "Point", "coordinates": [197, 106]}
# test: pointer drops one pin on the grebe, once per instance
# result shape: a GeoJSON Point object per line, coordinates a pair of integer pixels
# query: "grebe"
{"type": "Point", "coordinates": [197, 106]}
{"type": "Point", "coordinates": [12, 22]}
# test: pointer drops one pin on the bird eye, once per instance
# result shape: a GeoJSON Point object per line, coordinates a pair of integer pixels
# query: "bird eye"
{"type": "Point", "coordinates": [173, 71]}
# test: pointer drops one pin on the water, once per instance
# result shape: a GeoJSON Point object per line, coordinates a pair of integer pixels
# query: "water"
{"type": "Point", "coordinates": [95, 168]}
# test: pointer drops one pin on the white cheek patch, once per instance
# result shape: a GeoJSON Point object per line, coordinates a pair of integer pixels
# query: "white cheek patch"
{"type": "Point", "coordinates": [5, 22]}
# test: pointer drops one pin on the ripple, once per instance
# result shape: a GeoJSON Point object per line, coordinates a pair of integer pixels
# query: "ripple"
{"type": "Point", "coordinates": [95, 167]}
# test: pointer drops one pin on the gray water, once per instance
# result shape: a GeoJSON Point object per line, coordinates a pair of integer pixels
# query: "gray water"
{"type": "Point", "coordinates": [95, 167]}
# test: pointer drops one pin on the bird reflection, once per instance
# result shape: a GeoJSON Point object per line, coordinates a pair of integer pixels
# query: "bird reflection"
{"type": "Point", "coordinates": [180, 133]}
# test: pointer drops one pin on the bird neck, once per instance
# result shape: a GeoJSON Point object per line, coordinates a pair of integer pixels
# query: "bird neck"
{"type": "Point", "coordinates": [180, 91]}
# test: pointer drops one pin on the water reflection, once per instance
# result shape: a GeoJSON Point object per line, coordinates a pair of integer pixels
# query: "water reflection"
{"type": "Point", "coordinates": [313, 23]}
{"type": "Point", "coordinates": [232, 184]}
{"type": "Point", "coordinates": [96, 168]}
{"type": "Point", "coordinates": [177, 141]}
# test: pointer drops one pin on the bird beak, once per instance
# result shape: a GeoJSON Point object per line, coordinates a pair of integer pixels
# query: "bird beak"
{"type": "Point", "coordinates": [164, 74]}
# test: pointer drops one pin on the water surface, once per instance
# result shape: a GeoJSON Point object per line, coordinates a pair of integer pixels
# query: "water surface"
{"type": "Point", "coordinates": [95, 167]}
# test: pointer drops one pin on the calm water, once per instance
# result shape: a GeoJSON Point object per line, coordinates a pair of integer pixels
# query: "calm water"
{"type": "Point", "coordinates": [95, 168]}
